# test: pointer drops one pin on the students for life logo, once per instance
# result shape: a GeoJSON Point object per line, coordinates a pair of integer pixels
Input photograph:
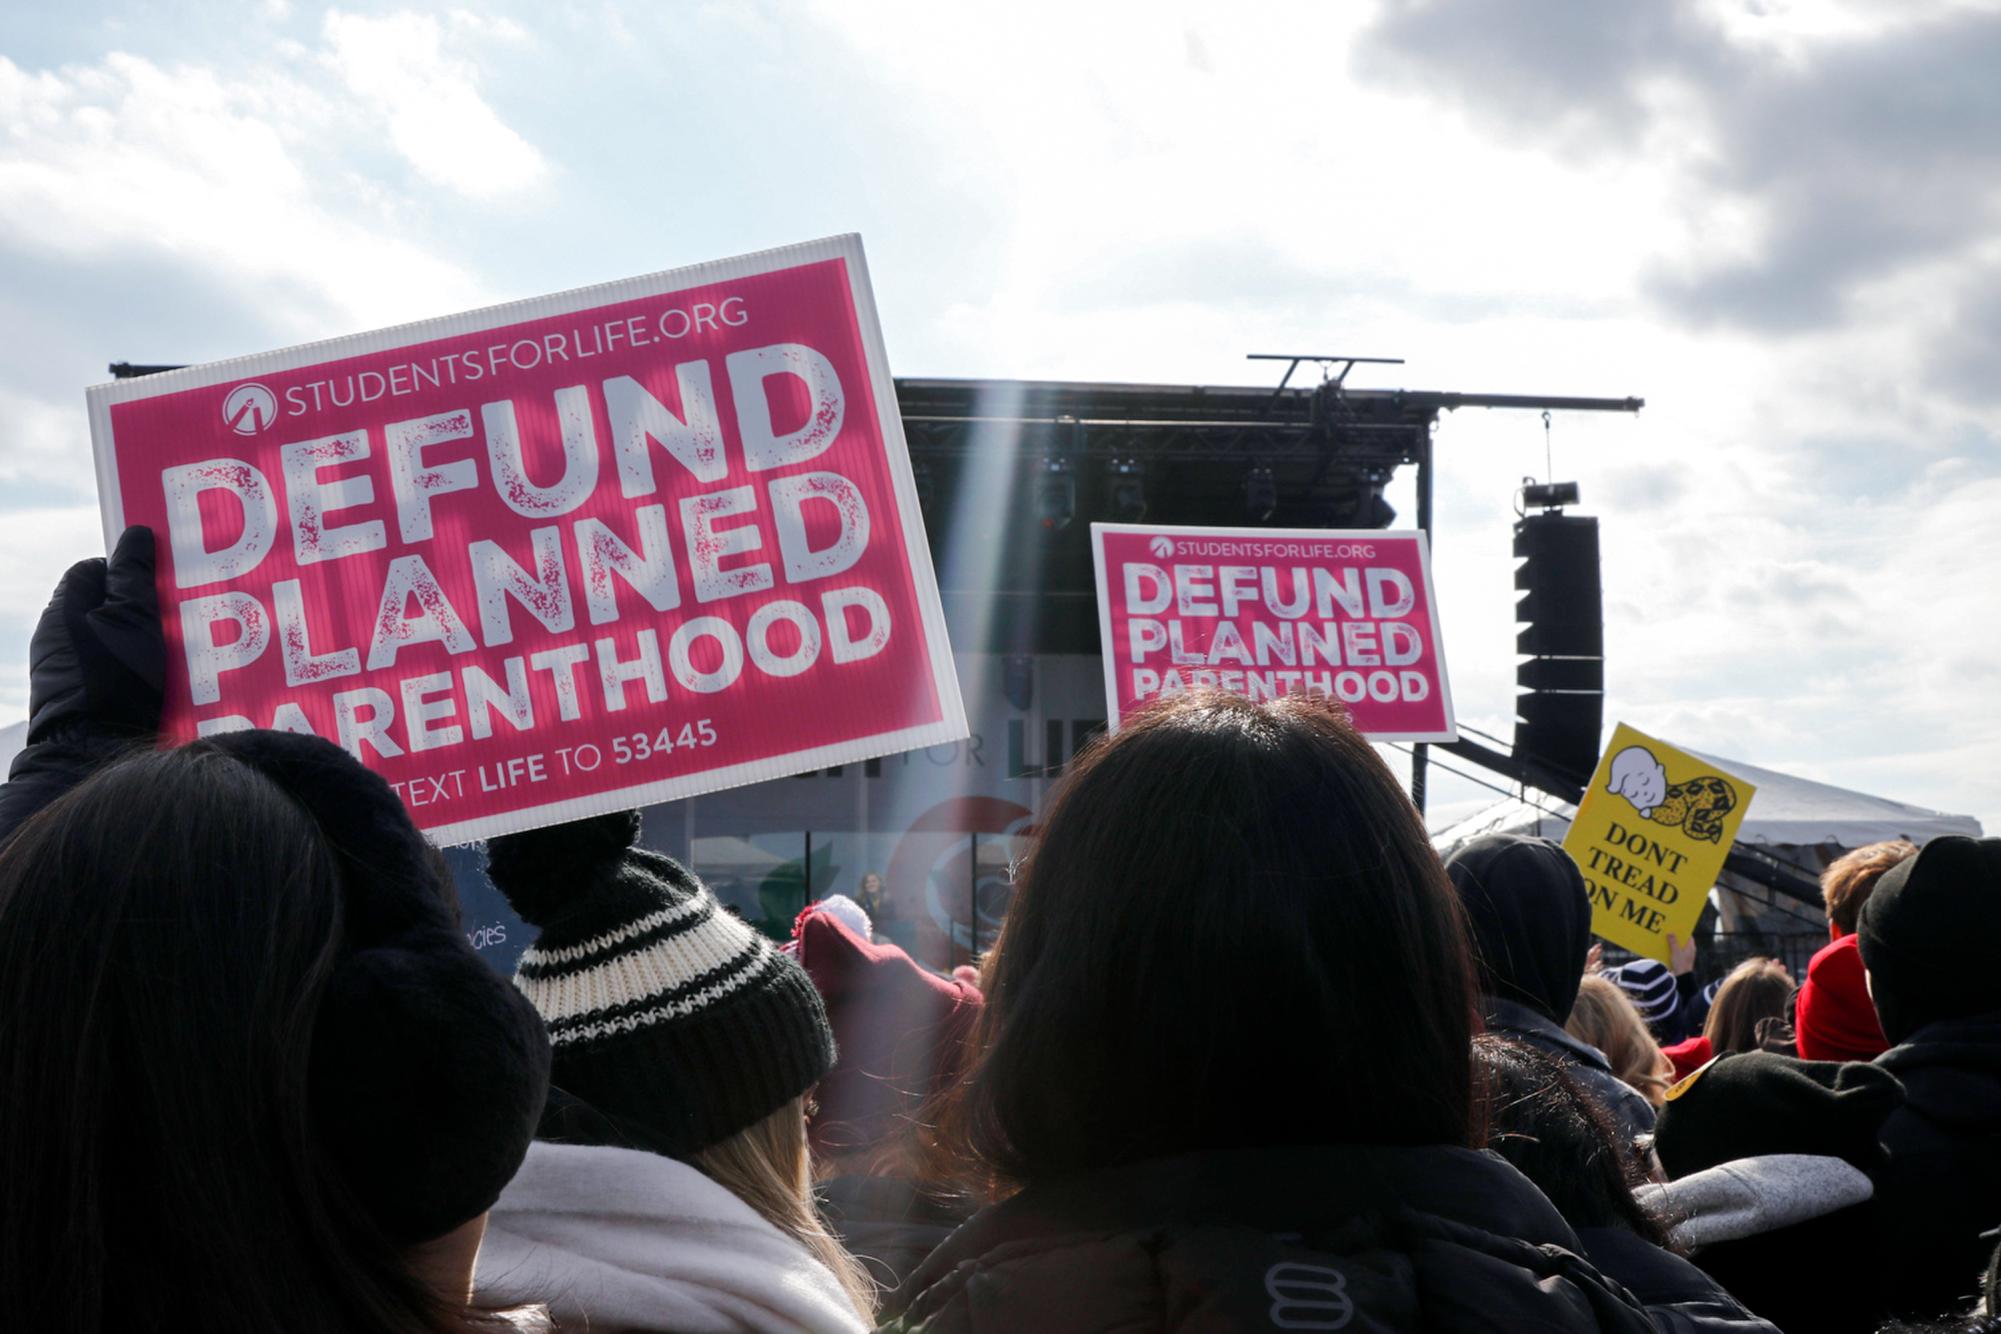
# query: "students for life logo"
{"type": "Point", "coordinates": [250, 408]}
{"type": "Point", "coordinates": [1163, 547]}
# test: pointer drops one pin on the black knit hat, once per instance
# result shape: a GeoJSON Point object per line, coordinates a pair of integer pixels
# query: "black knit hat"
{"type": "Point", "coordinates": [1931, 935]}
{"type": "Point", "coordinates": [1748, 1104]}
{"type": "Point", "coordinates": [671, 1017]}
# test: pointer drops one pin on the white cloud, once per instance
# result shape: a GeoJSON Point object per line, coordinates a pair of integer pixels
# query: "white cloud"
{"type": "Point", "coordinates": [43, 443]}
{"type": "Point", "coordinates": [1795, 528]}
{"type": "Point", "coordinates": [232, 178]}
{"type": "Point", "coordinates": [36, 546]}
{"type": "Point", "coordinates": [1788, 540]}
{"type": "Point", "coordinates": [397, 66]}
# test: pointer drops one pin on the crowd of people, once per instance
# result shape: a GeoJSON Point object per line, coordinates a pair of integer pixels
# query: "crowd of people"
{"type": "Point", "coordinates": [1247, 1055]}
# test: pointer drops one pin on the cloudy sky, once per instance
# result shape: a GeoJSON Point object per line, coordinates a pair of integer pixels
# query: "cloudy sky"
{"type": "Point", "coordinates": [1776, 221]}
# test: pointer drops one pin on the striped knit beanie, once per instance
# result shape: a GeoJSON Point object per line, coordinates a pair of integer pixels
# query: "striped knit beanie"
{"type": "Point", "coordinates": [1649, 985]}
{"type": "Point", "coordinates": [667, 1014]}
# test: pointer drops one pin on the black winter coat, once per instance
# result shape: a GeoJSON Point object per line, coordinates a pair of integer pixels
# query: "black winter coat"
{"type": "Point", "coordinates": [1335, 1237]}
{"type": "Point", "coordinates": [1631, 1113]}
{"type": "Point", "coordinates": [1942, 1186]}
{"type": "Point", "coordinates": [1680, 1297]}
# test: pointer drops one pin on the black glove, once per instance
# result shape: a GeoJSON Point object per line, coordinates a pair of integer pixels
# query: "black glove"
{"type": "Point", "coordinates": [97, 658]}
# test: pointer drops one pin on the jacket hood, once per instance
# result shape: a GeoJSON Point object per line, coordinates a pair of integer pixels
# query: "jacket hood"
{"type": "Point", "coordinates": [1748, 1104]}
{"type": "Point", "coordinates": [1951, 1073]}
{"type": "Point", "coordinates": [1530, 916]}
{"type": "Point", "coordinates": [1753, 1196]}
{"type": "Point", "coordinates": [1927, 934]}
{"type": "Point", "coordinates": [621, 1239]}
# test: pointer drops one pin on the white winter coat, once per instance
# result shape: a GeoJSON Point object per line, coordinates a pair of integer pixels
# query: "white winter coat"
{"type": "Point", "coordinates": [622, 1240]}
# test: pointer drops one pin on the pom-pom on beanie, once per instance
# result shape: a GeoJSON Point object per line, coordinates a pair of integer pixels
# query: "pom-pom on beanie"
{"type": "Point", "coordinates": [669, 1016]}
{"type": "Point", "coordinates": [1930, 934]}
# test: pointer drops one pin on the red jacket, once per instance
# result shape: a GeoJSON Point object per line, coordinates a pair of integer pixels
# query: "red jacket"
{"type": "Point", "coordinates": [1837, 1020]}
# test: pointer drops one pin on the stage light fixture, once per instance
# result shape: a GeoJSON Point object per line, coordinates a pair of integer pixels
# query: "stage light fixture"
{"type": "Point", "coordinates": [1359, 502]}
{"type": "Point", "coordinates": [1548, 495]}
{"type": "Point", "coordinates": [1126, 489]}
{"type": "Point", "coordinates": [1055, 493]}
{"type": "Point", "coordinates": [1260, 494]}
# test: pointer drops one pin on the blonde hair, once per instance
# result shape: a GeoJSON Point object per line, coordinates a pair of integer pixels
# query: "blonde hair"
{"type": "Point", "coordinates": [1606, 1017]}
{"type": "Point", "coordinates": [768, 1166]}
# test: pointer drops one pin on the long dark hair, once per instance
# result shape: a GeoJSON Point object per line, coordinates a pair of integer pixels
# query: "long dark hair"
{"type": "Point", "coordinates": [1557, 1136]}
{"type": "Point", "coordinates": [167, 933]}
{"type": "Point", "coordinates": [1232, 932]}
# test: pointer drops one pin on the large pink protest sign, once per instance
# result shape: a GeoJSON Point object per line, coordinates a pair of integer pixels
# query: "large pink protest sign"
{"type": "Point", "coordinates": [1265, 612]}
{"type": "Point", "coordinates": [590, 551]}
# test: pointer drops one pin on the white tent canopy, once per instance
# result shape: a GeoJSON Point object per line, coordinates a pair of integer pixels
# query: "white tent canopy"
{"type": "Point", "coordinates": [1786, 811]}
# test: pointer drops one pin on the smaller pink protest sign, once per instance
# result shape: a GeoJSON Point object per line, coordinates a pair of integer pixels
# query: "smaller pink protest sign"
{"type": "Point", "coordinates": [590, 551]}
{"type": "Point", "coordinates": [1265, 612]}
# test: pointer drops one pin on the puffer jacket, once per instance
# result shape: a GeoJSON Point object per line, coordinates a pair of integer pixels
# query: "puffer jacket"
{"type": "Point", "coordinates": [1328, 1237]}
{"type": "Point", "coordinates": [1680, 1298]}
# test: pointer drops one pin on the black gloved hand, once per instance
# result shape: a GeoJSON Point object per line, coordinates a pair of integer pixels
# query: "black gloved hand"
{"type": "Point", "coordinates": [97, 657]}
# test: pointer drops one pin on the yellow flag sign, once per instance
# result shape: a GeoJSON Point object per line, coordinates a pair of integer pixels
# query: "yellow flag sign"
{"type": "Point", "coordinates": [1651, 835]}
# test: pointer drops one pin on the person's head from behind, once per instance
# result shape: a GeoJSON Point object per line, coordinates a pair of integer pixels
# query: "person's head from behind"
{"type": "Point", "coordinates": [1231, 932]}
{"type": "Point", "coordinates": [1849, 880]}
{"type": "Point", "coordinates": [1606, 1017]}
{"type": "Point", "coordinates": [1930, 936]}
{"type": "Point", "coordinates": [678, 1030]}
{"type": "Point", "coordinates": [1751, 1000]}
{"type": "Point", "coordinates": [1530, 916]}
{"type": "Point", "coordinates": [1543, 1122]}
{"type": "Point", "coordinates": [254, 1078]}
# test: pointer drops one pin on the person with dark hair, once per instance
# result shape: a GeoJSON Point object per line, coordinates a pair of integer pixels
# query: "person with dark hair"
{"type": "Point", "coordinates": [670, 1186]}
{"type": "Point", "coordinates": [1771, 1164]}
{"type": "Point", "coordinates": [1540, 1120]}
{"type": "Point", "coordinates": [1931, 941]}
{"type": "Point", "coordinates": [252, 1077]}
{"type": "Point", "coordinates": [1531, 921]}
{"type": "Point", "coordinates": [902, 1033]}
{"type": "Point", "coordinates": [1223, 1074]}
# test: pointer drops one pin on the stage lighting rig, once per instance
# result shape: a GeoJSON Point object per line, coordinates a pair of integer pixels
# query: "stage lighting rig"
{"type": "Point", "coordinates": [1260, 494]}
{"type": "Point", "coordinates": [1125, 489]}
{"type": "Point", "coordinates": [1546, 495]}
{"type": "Point", "coordinates": [1055, 493]}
